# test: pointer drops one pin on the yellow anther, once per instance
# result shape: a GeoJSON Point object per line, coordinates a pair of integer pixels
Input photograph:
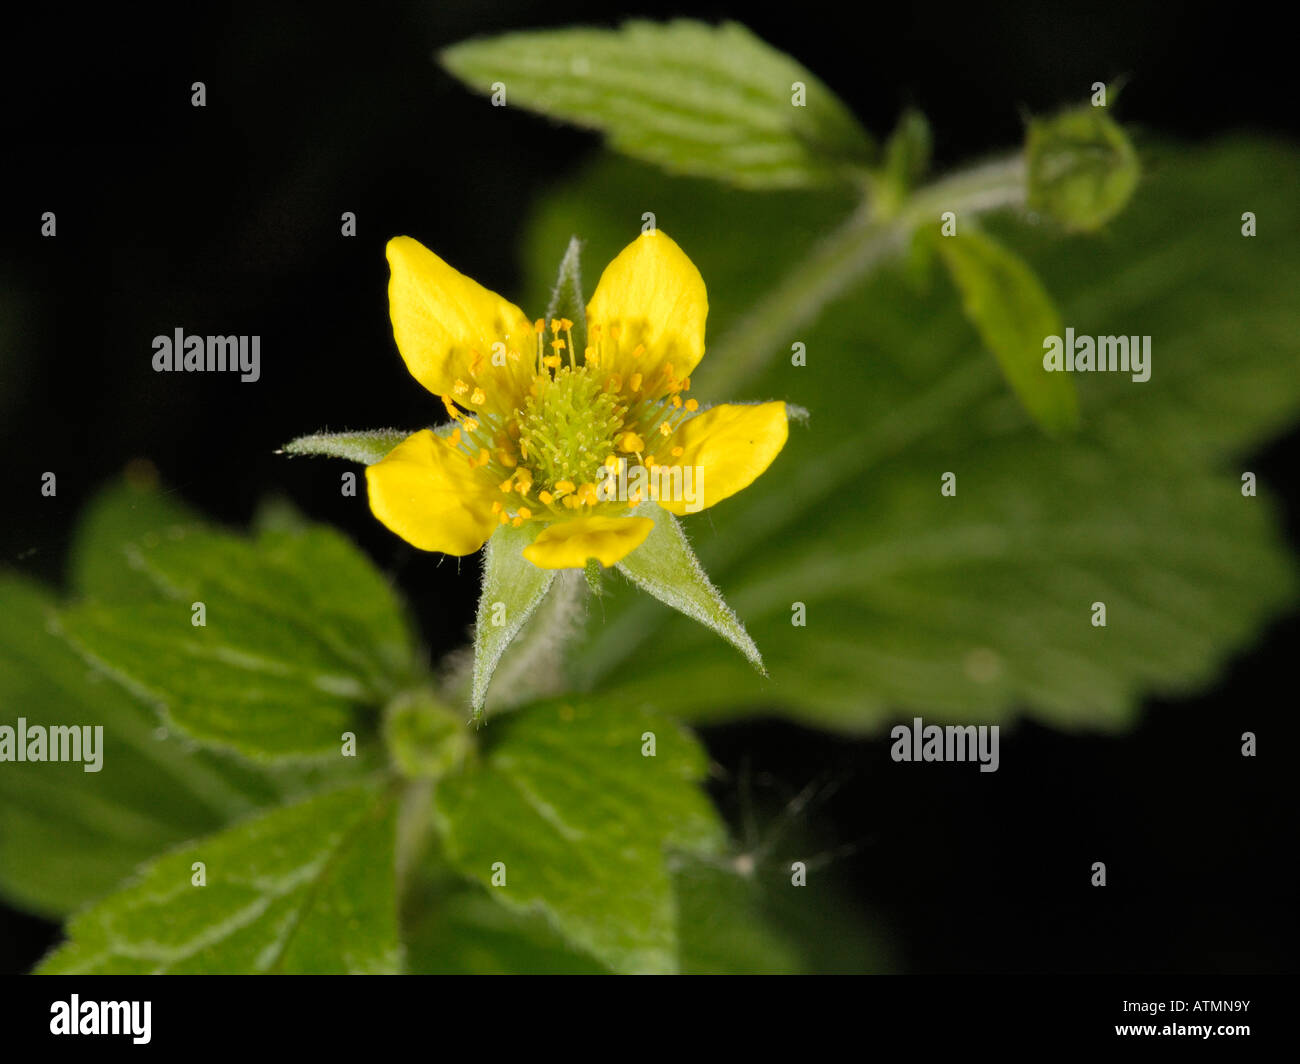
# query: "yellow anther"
{"type": "Point", "coordinates": [638, 351]}
{"type": "Point", "coordinates": [631, 443]}
{"type": "Point", "coordinates": [677, 402]}
{"type": "Point", "coordinates": [496, 507]}
{"type": "Point", "coordinates": [454, 439]}
{"type": "Point", "coordinates": [539, 325]}
{"type": "Point", "coordinates": [546, 497]}
{"type": "Point", "coordinates": [650, 462]}
{"type": "Point", "coordinates": [460, 387]}
{"type": "Point", "coordinates": [506, 486]}
{"type": "Point", "coordinates": [479, 397]}
{"type": "Point", "coordinates": [592, 356]}
{"type": "Point", "coordinates": [665, 429]}
{"type": "Point", "coordinates": [551, 361]}
{"type": "Point", "coordinates": [634, 382]}
{"type": "Point", "coordinates": [475, 362]}
{"type": "Point", "coordinates": [517, 522]}
{"type": "Point", "coordinates": [678, 451]}
{"type": "Point", "coordinates": [611, 462]}
{"type": "Point", "coordinates": [634, 500]}
{"type": "Point", "coordinates": [557, 345]}
{"type": "Point", "coordinates": [692, 405]}
{"type": "Point", "coordinates": [453, 411]}
{"type": "Point", "coordinates": [525, 513]}
{"type": "Point", "coordinates": [563, 487]}
{"type": "Point", "coordinates": [507, 459]}
{"type": "Point", "coordinates": [505, 518]}
{"type": "Point", "coordinates": [570, 502]}
{"type": "Point", "coordinates": [587, 495]}
{"type": "Point", "coordinates": [686, 384]}
{"type": "Point", "coordinates": [483, 457]}
{"type": "Point", "coordinates": [471, 425]}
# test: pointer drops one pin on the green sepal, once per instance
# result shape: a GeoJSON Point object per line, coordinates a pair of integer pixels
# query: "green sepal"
{"type": "Point", "coordinates": [513, 588]}
{"type": "Point", "coordinates": [666, 567]}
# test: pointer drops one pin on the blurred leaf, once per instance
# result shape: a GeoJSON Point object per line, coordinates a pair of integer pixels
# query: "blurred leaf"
{"type": "Point", "coordinates": [721, 925]}
{"type": "Point", "coordinates": [116, 517]}
{"type": "Point", "coordinates": [308, 888]}
{"type": "Point", "coordinates": [978, 606]}
{"type": "Point", "coordinates": [300, 630]}
{"type": "Point", "coordinates": [583, 824]}
{"type": "Point", "coordinates": [1006, 303]}
{"type": "Point", "coordinates": [68, 836]}
{"type": "Point", "coordinates": [666, 567]}
{"type": "Point", "coordinates": [686, 96]}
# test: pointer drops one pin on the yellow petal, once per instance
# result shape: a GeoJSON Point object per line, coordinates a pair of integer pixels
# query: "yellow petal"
{"type": "Point", "coordinates": [427, 492]}
{"type": "Point", "coordinates": [448, 328]}
{"type": "Point", "coordinates": [650, 297]}
{"type": "Point", "coordinates": [728, 446]}
{"type": "Point", "coordinates": [568, 544]}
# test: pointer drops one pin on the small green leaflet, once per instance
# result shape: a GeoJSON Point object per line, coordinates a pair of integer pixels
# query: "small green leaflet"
{"type": "Point", "coordinates": [1013, 314]}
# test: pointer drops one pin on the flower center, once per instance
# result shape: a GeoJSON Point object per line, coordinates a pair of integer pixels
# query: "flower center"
{"type": "Point", "coordinates": [569, 426]}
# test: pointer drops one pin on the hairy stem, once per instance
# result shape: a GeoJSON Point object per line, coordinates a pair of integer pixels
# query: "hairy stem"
{"type": "Point", "coordinates": [844, 257]}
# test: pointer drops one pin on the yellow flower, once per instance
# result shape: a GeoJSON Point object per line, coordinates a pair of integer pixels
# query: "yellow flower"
{"type": "Point", "coordinates": [538, 428]}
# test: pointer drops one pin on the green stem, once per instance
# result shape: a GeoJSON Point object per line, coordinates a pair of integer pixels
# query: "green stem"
{"type": "Point", "coordinates": [842, 258]}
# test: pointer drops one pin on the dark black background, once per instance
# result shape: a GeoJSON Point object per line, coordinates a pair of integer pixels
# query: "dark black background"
{"type": "Point", "coordinates": [226, 219]}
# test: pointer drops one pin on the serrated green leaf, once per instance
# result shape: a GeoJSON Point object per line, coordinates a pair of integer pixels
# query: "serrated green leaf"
{"type": "Point", "coordinates": [978, 606]}
{"type": "Point", "coordinates": [68, 836]}
{"type": "Point", "coordinates": [1013, 315]}
{"type": "Point", "coordinates": [307, 888]}
{"type": "Point", "coordinates": [686, 96]}
{"type": "Point", "coordinates": [299, 632]}
{"type": "Point", "coordinates": [513, 588]}
{"type": "Point", "coordinates": [366, 448]}
{"type": "Point", "coordinates": [666, 567]}
{"type": "Point", "coordinates": [581, 824]}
